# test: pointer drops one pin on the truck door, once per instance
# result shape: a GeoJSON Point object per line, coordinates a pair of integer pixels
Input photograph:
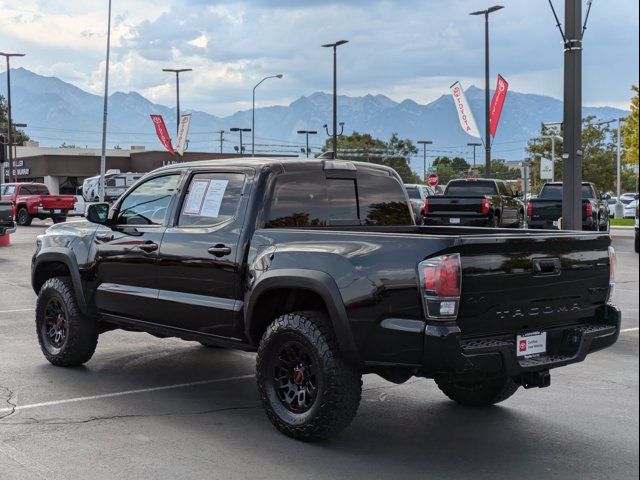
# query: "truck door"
{"type": "Point", "coordinates": [127, 253]}
{"type": "Point", "coordinates": [200, 257]}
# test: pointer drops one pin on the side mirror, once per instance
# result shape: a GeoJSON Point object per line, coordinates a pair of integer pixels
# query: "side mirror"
{"type": "Point", "coordinates": [98, 213]}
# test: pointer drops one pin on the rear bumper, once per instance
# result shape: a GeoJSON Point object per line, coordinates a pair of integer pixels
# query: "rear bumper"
{"type": "Point", "coordinates": [4, 230]}
{"type": "Point", "coordinates": [447, 353]}
{"type": "Point", "coordinates": [545, 224]}
{"type": "Point", "coordinates": [473, 220]}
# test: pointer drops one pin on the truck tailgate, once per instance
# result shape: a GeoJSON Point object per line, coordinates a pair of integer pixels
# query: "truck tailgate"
{"type": "Point", "coordinates": [513, 284]}
{"type": "Point", "coordinates": [58, 201]}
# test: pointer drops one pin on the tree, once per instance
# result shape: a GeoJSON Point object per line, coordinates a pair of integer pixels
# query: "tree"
{"type": "Point", "coordinates": [18, 136]}
{"type": "Point", "coordinates": [363, 147]}
{"type": "Point", "coordinates": [450, 168]}
{"type": "Point", "coordinates": [630, 132]}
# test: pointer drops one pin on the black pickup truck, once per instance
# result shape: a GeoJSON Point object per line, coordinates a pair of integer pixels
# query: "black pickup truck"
{"type": "Point", "coordinates": [545, 211]}
{"type": "Point", "coordinates": [319, 267]}
{"type": "Point", "coordinates": [476, 202]}
{"type": "Point", "coordinates": [7, 224]}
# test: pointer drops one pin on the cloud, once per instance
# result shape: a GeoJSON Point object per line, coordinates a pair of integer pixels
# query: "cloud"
{"type": "Point", "coordinates": [410, 48]}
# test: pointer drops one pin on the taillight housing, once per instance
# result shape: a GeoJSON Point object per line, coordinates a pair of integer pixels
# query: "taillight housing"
{"type": "Point", "coordinates": [589, 209]}
{"type": "Point", "coordinates": [612, 273]}
{"type": "Point", "coordinates": [485, 206]}
{"type": "Point", "coordinates": [425, 206]}
{"type": "Point", "coordinates": [440, 286]}
{"type": "Point", "coordinates": [530, 209]}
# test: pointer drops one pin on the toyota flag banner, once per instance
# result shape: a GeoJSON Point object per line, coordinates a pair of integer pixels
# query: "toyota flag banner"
{"type": "Point", "coordinates": [465, 115]}
{"type": "Point", "coordinates": [496, 104]}
{"type": "Point", "coordinates": [183, 131]}
{"type": "Point", "coordinates": [161, 131]}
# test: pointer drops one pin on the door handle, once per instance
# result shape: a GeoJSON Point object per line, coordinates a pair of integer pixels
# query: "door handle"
{"type": "Point", "coordinates": [219, 250]}
{"type": "Point", "coordinates": [105, 237]}
{"type": "Point", "coordinates": [546, 267]}
{"type": "Point", "coordinates": [148, 247]}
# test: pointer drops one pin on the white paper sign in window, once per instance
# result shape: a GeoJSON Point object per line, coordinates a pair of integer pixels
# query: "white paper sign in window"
{"type": "Point", "coordinates": [213, 198]}
{"type": "Point", "coordinates": [195, 199]}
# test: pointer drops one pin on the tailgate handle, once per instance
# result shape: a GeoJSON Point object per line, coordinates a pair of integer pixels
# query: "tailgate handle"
{"type": "Point", "coordinates": [544, 267]}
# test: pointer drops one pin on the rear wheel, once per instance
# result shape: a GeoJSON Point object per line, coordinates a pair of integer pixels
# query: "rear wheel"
{"type": "Point", "coordinates": [495, 222]}
{"type": "Point", "coordinates": [308, 391]}
{"type": "Point", "coordinates": [67, 338]}
{"type": "Point", "coordinates": [24, 218]}
{"type": "Point", "coordinates": [477, 393]}
{"type": "Point", "coordinates": [59, 219]}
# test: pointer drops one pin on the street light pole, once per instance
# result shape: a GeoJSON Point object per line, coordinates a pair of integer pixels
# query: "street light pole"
{"type": "Point", "coordinates": [335, 92]}
{"type": "Point", "coordinates": [103, 151]}
{"type": "Point", "coordinates": [487, 105]}
{"type": "Point", "coordinates": [240, 130]}
{"type": "Point", "coordinates": [424, 144]}
{"type": "Point", "coordinates": [9, 124]}
{"type": "Point", "coordinates": [307, 133]}
{"type": "Point", "coordinates": [177, 71]}
{"type": "Point", "coordinates": [253, 113]}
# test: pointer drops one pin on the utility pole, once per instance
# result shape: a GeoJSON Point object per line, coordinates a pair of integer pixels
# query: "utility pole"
{"type": "Point", "coordinates": [177, 71]}
{"type": "Point", "coordinates": [240, 130]}
{"type": "Point", "coordinates": [307, 133]}
{"type": "Point", "coordinates": [487, 102]}
{"type": "Point", "coordinates": [103, 153]}
{"type": "Point", "coordinates": [335, 92]}
{"type": "Point", "coordinates": [474, 145]}
{"type": "Point", "coordinates": [221, 133]}
{"type": "Point", "coordinates": [572, 147]}
{"type": "Point", "coordinates": [424, 144]}
{"type": "Point", "coordinates": [9, 121]}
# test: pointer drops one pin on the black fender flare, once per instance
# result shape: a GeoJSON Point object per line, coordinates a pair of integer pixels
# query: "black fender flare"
{"type": "Point", "coordinates": [318, 282]}
{"type": "Point", "coordinates": [62, 255]}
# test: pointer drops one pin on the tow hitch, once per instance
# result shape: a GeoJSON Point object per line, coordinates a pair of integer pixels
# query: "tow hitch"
{"type": "Point", "coordinates": [534, 379]}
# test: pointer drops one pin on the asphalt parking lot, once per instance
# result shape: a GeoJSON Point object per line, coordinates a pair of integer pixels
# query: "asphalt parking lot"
{"type": "Point", "coordinates": [151, 408]}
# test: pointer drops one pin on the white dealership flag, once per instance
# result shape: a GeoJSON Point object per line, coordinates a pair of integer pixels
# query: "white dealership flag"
{"type": "Point", "coordinates": [546, 169]}
{"type": "Point", "coordinates": [183, 131]}
{"type": "Point", "coordinates": [465, 115]}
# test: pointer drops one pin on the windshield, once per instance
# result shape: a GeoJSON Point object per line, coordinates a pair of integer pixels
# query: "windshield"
{"type": "Point", "coordinates": [470, 188]}
{"type": "Point", "coordinates": [8, 190]}
{"type": "Point", "coordinates": [554, 192]}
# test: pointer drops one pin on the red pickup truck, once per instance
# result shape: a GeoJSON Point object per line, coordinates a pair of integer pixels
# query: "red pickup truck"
{"type": "Point", "coordinates": [32, 200]}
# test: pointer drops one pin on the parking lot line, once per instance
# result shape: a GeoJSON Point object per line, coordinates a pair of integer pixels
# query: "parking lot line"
{"type": "Point", "coordinates": [120, 394]}
{"type": "Point", "coordinates": [634, 329]}
{"type": "Point", "coordinates": [18, 310]}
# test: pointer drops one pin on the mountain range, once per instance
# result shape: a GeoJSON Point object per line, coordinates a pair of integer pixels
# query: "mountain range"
{"type": "Point", "coordinates": [57, 112]}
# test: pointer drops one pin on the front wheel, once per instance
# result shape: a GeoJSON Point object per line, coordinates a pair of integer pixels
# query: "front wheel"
{"type": "Point", "coordinates": [24, 218]}
{"type": "Point", "coordinates": [307, 390]}
{"type": "Point", "coordinates": [67, 338]}
{"type": "Point", "coordinates": [477, 393]}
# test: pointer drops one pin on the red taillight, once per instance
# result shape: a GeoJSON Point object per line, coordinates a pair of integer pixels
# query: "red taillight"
{"type": "Point", "coordinates": [612, 272]}
{"type": "Point", "coordinates": [589, 209]}
{"type": "Point", "coordinates": [530, 209]}
{"type": "Point", "coordinates": [485, 206]}
{"type": "Point", "coordinates": [442, 276]}
{"type": "Point", "coordinates": [425, 207]}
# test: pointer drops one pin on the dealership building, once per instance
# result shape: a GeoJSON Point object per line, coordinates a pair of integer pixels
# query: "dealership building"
{"type": "Point", "coordinates": [64, 169]}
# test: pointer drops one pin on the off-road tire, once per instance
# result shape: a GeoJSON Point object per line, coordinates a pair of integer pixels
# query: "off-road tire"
{"type": "Point", "coordinates": [23, 217]}
{"type": "Point", "coordinates": [82, 331]}
{"type": "Point", "coordinates": [495, 221]}
{"type": "Point", "coordinates": [59, 219]}
{"type": "Point", "coordinates": [339, 383]}
{"type": "Point", "coordinates": [480, 393]}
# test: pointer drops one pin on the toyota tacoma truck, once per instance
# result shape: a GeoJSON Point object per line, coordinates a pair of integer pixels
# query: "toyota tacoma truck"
{"type": "Point", "coordinates": [33, 200]}
{"type": "Point", "coordinates": [476, 202]}
{"type": "Point", "coordinates": [545, 210]}
{"type": "Point", "coordinates": [318, 266]}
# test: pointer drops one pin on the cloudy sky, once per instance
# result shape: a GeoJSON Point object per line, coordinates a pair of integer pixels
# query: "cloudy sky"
{"type": "Point", "coordinates": [402, 49]}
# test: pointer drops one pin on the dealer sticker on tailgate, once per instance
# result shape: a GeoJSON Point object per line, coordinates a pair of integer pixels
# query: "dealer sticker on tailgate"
{"type": "Point", "coordinates": [534, 343]}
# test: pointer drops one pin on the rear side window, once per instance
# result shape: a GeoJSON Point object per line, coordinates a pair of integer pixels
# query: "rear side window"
{"type": "Point", "coordinates": [303, 200]}
{"type": "Point", "coordinates": [414, 193]}
{"type": "Point", "coordinates": [470, 188]}
{"type": "Point", "coordinates": [212, 198]}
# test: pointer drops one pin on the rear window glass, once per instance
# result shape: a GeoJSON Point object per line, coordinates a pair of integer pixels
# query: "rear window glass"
{"type": "Point", "coordinates": [212, 198]}
{"type": "Point", "coordinates": [414, 193]}
{"type": "Point", "coordinates": [34, 190]}
{"type": "Point", "coordinates": [470, 188]}
{"type": "Point", "coordinates": [303, 200]}
{"type": "Point", "coordinates": [554, 192]}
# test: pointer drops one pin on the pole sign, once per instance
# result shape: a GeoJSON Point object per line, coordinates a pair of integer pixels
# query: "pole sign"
{"type": "Point", "coordinates": [546, 169]}
{"type": "Point", "coordinates": [183, 131]}
{"type": "Point", "coordinates": [163, 134]}
{"type": "Point", "coordinates": [432, 170]}
{"type": "Point", "coordinates": [497, 102]}
{"type": "Point", "coordinates": [465, 115]}
{"type": "Point", "coordinates": [433, 180]}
